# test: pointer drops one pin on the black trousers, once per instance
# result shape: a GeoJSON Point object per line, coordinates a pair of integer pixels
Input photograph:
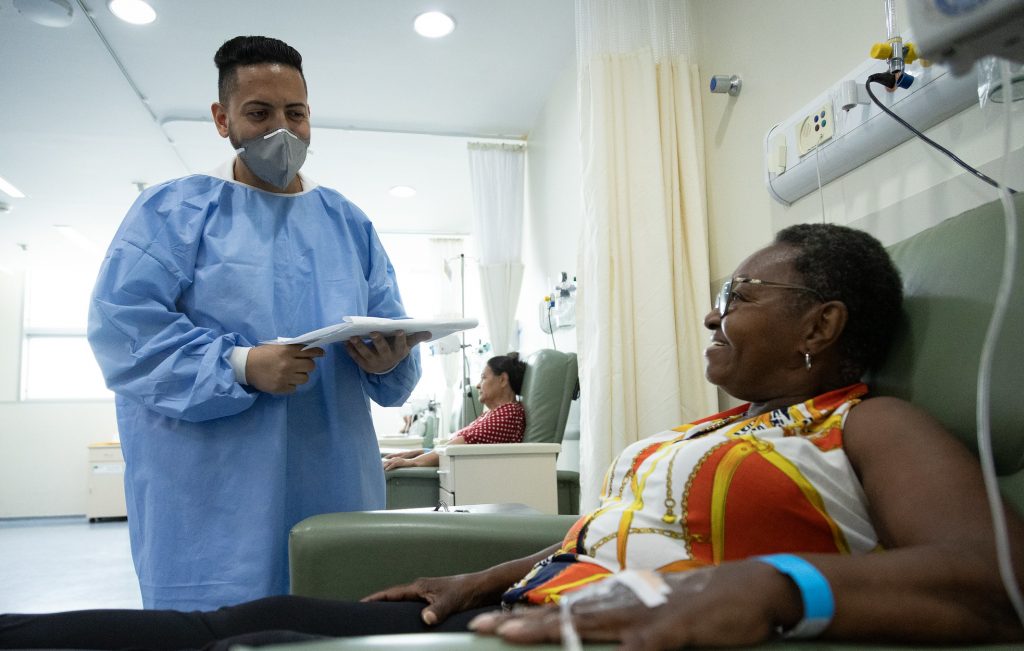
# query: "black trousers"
{"type": "Point", "coordinates": [273, 620]}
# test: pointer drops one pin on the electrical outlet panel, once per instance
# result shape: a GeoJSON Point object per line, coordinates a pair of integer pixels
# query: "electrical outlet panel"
{"type": "Point", "coordinates": [846, 139]}
{"type": "Point", "coordinates": [815, 129]}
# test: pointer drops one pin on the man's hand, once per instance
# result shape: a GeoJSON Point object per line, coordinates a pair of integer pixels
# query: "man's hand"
{"type": "Point", "coordinates": [277, 369]}
{"type": "Point", "coordinates": [385, 353]}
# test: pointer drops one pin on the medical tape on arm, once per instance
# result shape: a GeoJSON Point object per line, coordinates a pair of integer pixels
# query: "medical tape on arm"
{"type": "Point", "coordinates": [620, 590]}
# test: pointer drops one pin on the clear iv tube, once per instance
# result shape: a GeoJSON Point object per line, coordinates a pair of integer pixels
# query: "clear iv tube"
{"type": "Point", "coordinates": [892, 30]}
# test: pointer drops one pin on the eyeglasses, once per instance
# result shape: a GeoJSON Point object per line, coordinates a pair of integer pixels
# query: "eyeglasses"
{"type": "Point", "coordinates": [725, 294]}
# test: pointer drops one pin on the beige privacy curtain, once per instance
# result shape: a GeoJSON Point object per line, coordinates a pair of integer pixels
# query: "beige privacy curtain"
{"type": "Point", "coordinates": [497, 175]}
{"type": "Point", "coordinates": [644, 261]}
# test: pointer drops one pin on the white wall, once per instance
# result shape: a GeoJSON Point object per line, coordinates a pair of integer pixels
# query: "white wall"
{"type": "Point", "coordinates": [554, 210]}
{"type": "Point", "coordinates": [784, 63]}
{"type": "Point", "coordinates": [551, 237]}
{"type": "Point", "coordinates": [43, 453]}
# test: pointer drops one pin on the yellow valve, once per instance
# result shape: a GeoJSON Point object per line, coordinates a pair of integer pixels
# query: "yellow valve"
{"type": "Point", "coordinates": [881, 51]}
{"type": "Point", "coordinates": [910, 53]}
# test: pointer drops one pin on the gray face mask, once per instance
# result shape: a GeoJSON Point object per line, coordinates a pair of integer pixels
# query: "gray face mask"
{"type": "Point", "coordinates": [275, 157]}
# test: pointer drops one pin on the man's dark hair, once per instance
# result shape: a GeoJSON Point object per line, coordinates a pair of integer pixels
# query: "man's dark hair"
{"type": "Point", "coordinates": [512, 365]}
{"type": "Point", "coordinates": [249, 51]}
{"type": "Point", "coordinates": [848, 265]}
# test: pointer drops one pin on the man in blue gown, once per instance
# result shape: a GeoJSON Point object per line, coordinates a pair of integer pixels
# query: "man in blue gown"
{"type": "Point", "coordinates": [228, 443]}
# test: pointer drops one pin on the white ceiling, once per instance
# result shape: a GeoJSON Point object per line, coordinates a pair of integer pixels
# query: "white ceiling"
{"type": "Point", "coordinates": [388, 106]}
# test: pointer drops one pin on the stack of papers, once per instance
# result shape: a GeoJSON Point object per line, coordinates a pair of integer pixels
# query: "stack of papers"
{"type": "Point", "coordinates": [361, 326]}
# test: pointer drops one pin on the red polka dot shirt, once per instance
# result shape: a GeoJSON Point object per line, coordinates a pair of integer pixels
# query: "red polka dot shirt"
{"type": "Point", "coordinates": [505, 424]}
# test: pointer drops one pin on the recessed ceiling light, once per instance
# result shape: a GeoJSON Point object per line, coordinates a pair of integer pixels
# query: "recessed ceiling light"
{"type": "Point", "coordinates": [50, 13]}
{"type": "Point", "coordinates": [6, 187]}
{"type": "Point", "coordinates": [434, 24]}
{"type": "Point", "coordinates": [402, 191]}
{"type": "Point", "coordinates": [136, 12]}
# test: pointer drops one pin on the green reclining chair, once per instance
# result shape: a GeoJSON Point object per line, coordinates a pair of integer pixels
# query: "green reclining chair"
{"type": "Point", "coordinates": [951, 273]}
{"type": "Point", "coordinates": [549, 387]}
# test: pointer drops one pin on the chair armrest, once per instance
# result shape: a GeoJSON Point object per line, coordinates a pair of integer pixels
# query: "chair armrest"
{"type": "Point", "coordinates": [498, 449]}
{"type": "Point", "coordinates": [350, 555]}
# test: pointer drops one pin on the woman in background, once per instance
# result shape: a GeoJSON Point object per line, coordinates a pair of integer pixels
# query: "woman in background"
{"type": "Point", "coordinates": [504, 421]}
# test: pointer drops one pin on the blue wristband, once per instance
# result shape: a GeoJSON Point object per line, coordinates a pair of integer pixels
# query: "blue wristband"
{"type": "Point", "coordinates": [815, 592]}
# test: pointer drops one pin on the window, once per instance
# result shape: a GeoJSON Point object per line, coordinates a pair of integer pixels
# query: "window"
{"type": "Point", "coordinates": [428, 270]}
{"type": "Point", "coordinates": [57, 363]}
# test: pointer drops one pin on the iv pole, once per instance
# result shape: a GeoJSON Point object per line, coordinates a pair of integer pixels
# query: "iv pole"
{"type": "Point", "coordinates": [464, 371]}
{"type": "Point", "coordinates": [462, 347]}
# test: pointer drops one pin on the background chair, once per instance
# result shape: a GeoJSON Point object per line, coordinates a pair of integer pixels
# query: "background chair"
{"type": "Point", "coordinates": [549, 386]}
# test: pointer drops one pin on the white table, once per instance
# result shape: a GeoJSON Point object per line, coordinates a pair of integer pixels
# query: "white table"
{"type": "Point", "coordinates": [499, 473]}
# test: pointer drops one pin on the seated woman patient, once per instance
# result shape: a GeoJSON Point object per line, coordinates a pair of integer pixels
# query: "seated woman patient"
{"type": "Point", "coordinates": [814, 509]}
{"type": "Point", "coordinates": [501, 382]}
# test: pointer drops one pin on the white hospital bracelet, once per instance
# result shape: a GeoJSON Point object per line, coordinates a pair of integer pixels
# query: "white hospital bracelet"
{"type": "Point", "coordinates": [815, 593]}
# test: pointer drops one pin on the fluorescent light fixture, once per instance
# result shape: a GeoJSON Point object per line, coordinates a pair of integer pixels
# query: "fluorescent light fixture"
{"type": "Point", "coordinates": [49, 13]}
{"type": "Point", "coordinates": [136, 12]}
{"type": "Point", "coordinates": [76, 237]}
{"type": "Point", "coordinates": [9, 189]}
{"type": "Point", "coordinates": [433, 24]}
{"type": "Point", "coordinates": [402, 191]}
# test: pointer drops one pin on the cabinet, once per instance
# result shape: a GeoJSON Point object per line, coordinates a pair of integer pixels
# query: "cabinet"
{"type": "Point", "coordinates": [106, 482]}
{"type": "Point", "coordinates": [499, 473]}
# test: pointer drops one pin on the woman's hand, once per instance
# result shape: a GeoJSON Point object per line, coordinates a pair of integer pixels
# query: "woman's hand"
{"type": "Point", "coordinates": [425, 460]}
{"type": "Point", "coordinates": [742, 603]}
{"type": "Point", "coordinates": [390, 463]}
{"type": "Point", "coordinates": [451, 594]}
{"type": "Point", "coordinates": [444, 595]}
{"type": "Point", "coordinates": [407, 454]}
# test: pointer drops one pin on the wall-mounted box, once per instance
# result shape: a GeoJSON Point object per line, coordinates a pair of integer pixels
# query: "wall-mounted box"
{"type": "Point", "coordinates": [795, 154]}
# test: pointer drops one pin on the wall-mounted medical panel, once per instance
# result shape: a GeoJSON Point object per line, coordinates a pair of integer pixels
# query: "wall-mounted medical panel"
{"type": "Point", "coordinates": [840, 129]}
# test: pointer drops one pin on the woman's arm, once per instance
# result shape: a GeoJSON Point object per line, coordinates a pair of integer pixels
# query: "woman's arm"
{"type": "Point", "coordinates": [452, 594]}
{"type": "Point", "coordinates": [939, 581]}
{"type": "Point", "coordinates": [424, 460]}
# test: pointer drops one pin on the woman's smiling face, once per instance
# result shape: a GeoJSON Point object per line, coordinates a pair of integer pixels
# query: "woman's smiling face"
{"type": "Point", "coordinates": [758, 342]}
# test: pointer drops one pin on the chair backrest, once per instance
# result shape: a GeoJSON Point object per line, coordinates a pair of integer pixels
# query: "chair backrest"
{"type": "Point", "coordinates": [548, 388]}
{"type": "Point", "coordinates": [951, 274]}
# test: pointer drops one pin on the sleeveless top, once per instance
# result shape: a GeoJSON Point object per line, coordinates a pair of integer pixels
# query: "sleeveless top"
{"type": "Point", "coordinates": [722, 488]}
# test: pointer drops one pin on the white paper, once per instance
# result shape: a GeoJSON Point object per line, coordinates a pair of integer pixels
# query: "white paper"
{"type": "Point", "coordinates": [360, 326]}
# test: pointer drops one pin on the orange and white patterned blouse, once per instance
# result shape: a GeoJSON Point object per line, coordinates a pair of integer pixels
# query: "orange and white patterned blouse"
{"type": "Point", "coordinates": [722, 488]}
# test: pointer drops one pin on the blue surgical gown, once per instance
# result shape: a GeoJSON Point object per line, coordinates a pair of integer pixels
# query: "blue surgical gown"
{"type": "Point", "coordinates": [217, 472]}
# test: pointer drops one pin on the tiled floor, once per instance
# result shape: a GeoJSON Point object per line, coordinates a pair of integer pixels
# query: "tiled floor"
{"type": "Point", "coordinates": [53, 564]}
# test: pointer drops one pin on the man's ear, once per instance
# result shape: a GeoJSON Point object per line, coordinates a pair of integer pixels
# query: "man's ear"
{"type": "Point", "coordinates": [826, 324]}
{"type": "Point", "coordinates": [220, 118]}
